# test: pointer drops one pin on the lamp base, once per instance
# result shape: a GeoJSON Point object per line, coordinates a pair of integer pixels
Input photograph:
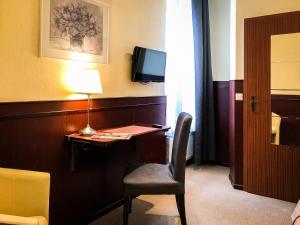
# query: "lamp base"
{"type": "Point", "coordinates": [87, 131]}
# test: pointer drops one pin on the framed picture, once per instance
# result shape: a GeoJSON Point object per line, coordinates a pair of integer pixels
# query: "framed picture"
{"type": "Point", "coordinates": [75, 29]}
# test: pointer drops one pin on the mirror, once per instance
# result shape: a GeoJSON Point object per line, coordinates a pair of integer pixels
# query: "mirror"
{"type": "Point", "coordinates": [285, 89]}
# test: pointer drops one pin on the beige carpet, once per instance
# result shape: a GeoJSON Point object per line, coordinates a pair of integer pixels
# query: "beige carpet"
{"type": "Point", "coordinates": [210, 200]}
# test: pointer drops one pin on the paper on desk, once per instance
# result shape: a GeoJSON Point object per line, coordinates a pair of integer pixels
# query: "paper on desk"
{"type": "Point", "coordinates": [120, 136]}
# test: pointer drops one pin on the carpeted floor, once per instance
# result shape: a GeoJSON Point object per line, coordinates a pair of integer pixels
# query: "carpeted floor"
{"type": "Point", "coordinates": [210, 200]}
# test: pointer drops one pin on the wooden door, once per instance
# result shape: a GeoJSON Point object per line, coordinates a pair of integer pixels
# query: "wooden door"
{"type": "Point", "coordinates": [269, 170]}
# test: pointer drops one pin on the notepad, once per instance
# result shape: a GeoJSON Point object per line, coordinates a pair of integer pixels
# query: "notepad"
{"type": "Point", "coordinates": [120, 136]}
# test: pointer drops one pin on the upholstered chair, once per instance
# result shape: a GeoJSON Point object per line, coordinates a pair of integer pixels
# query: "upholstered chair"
{"type": "Point", "coordinates": [162, 179]}
{"type": "Point", "coordinates": [24, 197]}
{"type": "Point", "coordinates": [296, 215]}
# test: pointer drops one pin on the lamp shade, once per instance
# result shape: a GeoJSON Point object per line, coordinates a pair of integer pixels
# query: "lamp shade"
{"type": "Point", "coordinates": [87, 81]}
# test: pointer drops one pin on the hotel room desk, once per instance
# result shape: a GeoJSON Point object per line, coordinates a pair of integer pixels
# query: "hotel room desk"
{"type": "Point", "coordinates": [100, 165]}
{"type": "Point", "coordinates": [81, 143]}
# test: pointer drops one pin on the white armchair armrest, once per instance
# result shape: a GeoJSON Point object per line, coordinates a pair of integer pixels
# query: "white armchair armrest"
{"type": "Point", "coordinates": [17, 220]}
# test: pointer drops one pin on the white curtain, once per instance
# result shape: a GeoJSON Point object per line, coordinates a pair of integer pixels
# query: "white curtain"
{"type": "Point", "coordinates": [180, 72]}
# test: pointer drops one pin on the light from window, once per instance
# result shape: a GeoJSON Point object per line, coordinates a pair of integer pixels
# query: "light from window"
{"type": "Point", "coordinates": [180, 70]}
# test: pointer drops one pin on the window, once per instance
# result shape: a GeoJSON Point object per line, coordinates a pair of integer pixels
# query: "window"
{"type": "Point", "coordinates": [180, 70]}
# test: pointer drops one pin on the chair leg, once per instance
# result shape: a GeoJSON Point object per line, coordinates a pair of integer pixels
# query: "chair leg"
{"type": "Point", "coordinates": [130, 204]}
{"type": "Point", "coordinates": [177, 202]}
{"type": "Point", "coordinates": [126, 210]}
{"type": "Point", "coordinates": [181, 208]}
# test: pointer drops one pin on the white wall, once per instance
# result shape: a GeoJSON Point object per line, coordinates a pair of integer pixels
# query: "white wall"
{"type": "Point", "coordinates": [285, 64]}
{"type": "Point", "coordinates": [27, 77]}
{"type": "Point", "coordinates": [220, 22]}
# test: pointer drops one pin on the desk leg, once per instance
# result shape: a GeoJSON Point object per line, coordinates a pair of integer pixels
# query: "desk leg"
{"type": "Point", "coordinates": [74, 155]}
{"type": "Point", "coordinates": [138, 150]}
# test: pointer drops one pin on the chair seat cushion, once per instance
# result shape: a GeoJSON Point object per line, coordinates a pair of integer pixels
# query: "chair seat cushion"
{"type": "Point", "coordinates": [151, 179]}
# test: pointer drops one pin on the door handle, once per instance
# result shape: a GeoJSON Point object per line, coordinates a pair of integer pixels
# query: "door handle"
{"type": "Point", "coordinates": [253, 103]}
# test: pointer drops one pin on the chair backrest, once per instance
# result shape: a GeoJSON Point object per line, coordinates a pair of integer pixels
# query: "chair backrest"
{"type": "Point", "coordinates": [180, 142]}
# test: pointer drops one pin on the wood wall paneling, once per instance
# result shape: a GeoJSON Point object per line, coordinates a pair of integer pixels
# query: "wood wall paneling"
{"type": "Point", "coordinates": [236, 134]}
{"type": "Point", "coordinates": [269, 170]}
{"type": "Point", "coordinates": [221, 100]}
{"type": "Point", "coordinates": [32, 138]}
{"type": "Point", "coordinates": [288, 107]}
{"type": "Point", "coordinates": [229, 128]}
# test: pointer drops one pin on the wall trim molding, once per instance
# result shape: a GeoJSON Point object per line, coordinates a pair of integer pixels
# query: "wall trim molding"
{"type": "Point", "coordinates": [280, 97]}
{"type": "Point", "coordinates": [17, 110]}
{"type": "Point", "coordinates": [221, 84]}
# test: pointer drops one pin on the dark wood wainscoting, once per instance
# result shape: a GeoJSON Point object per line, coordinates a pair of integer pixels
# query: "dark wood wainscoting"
{"type": "Point", "coordinates": [229, 128]}
{"type": "Point", "coordinates": [32, 138]}
{"type": "Point", "coordinates": [288, 107]}
{"type": "Point", "coordinates": [236, 134]}
{"type": "Point", "coordinates": [221, 99]}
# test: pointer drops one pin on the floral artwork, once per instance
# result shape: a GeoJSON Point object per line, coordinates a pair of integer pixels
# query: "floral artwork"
{"type": "Point", "coordinates": [78, 26]}
{"type": "Point", "coordinates": [76, 22]}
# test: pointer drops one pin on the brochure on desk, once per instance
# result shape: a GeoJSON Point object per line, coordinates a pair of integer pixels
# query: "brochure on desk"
{"type": "Point", "coordinates": [108, 135]}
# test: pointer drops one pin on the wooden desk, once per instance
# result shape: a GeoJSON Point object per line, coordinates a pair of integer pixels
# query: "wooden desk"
{"type": "Point", "coordinates": [106, 160]}
{"type": "Point", "coordinates": [80, 142]}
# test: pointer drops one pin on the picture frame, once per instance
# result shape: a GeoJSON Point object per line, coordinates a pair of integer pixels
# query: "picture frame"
{"type": "Point", "coordinates": [75, 30]}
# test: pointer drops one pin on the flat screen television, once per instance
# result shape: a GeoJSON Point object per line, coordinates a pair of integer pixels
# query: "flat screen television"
{"type": "Point", "coordinates": [148, 65]}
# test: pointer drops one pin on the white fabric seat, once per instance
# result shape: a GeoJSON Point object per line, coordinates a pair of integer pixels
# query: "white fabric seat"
{"type": "Point", "coordinates": [24, 197]}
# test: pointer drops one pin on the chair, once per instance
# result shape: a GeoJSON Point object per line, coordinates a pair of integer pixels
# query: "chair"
{"type": "Point", "coordinates": [296, 215]}
{"type": "Point", "coordinates": [162, 179]}
{"type": "Point", "coordinates": [24, 197]}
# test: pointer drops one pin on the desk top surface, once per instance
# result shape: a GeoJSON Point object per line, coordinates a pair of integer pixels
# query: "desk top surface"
{"type": "Point", "coordinates": [132, 131]}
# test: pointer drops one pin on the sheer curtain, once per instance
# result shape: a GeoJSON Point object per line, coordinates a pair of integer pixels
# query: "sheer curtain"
{"type": "Point", "coordinates": [180, 70]}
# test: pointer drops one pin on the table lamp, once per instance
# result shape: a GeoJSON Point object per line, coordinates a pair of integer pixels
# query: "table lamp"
{"type": "Point", "coordinates": [88, 83]}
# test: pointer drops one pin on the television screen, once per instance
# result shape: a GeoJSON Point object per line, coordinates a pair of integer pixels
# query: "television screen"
{"type": "Point", "coordinates": [148, 65]}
